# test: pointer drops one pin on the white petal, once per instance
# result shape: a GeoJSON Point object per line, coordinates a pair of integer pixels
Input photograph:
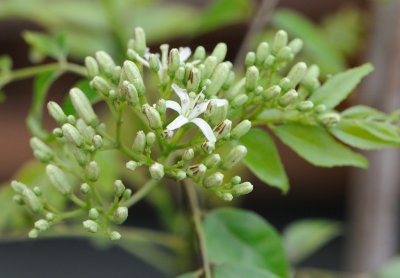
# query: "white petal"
{"type": "Point", "coordinates": [199, 109]}
{"type": "Point", "coordinates": [178, 122]}
{"type": "Point", "coordinates": [147, 54]}
{"type": "Point", "coordinates": [173, 105]}
{"type": "Point", "coordinates": [184, 53]}
{"type": "Point", "coordinates": [205, 128]}
{"type": "Point", "coordinates": [220, 102]}
{"type": "Point", "coordinates": [183, 96]}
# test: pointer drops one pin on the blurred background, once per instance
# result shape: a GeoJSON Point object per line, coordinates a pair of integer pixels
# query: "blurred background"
{"type": "Point", "coordinates": [337, 33]}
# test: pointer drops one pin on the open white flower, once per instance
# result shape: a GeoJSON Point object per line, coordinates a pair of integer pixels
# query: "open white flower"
{"type": "Point", "coordinates": [190, 109]}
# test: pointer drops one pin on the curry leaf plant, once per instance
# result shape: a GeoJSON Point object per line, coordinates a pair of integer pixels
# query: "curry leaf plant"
{"type": "Point", "coordinates": [205, 119]}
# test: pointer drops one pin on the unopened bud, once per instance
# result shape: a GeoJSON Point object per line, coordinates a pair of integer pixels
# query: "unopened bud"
{"type": "Point", "coordinates": [285, 84]}
{"type": "Point", "coordinates": [240, 129]}
{"type": "Point", "coordinates": [83, 107]}
{"type": "Point", "coordinates": [50, 216]}
{"type": "Point", "coordinates": [93, 214]}
{"type": "Point", "coordinates": [262, 53]}
{"type": "Point", "coordinates": [210, 63]}
{"type": "Point", "coordinates": [129, 93]}
{"type": "Point", "coordinates": [150, 139]}
{"type": "Point", "coordinates": [208, 147]}
{"type": "Point", "coordinates": [288, 98]}
{"type": "Point", "coordinates": [91, 66]}
{"type": "Point", "coordinates": [180, 74]}
{"type": "Point", "coordinates": [32, 201]}
{"type": "Point", "coordinates": [93, 171]}
{"type": "Point", "coordinates": [127, 194]}
{"type": "Point", "coordinates": [106, 63]}
{"type": "Point", "coordinates": [225, 196]}
{"type": "Point", "coordinates": [239, 100]}
{"type": "Point", "coordinates": [156, 171]}
{"type": "Point", "coordinates": [72, 135]}
{"type": "Point", "coordinates": [214, 180]}
{"type": "Point", "coordinates": [242, 188]}
{"type": "Point", "coordinates": [133, 75]}
{"type": "Point", "coordinates": [320, 108]}
{"type": "Point", "coordinates": [34, 233]}
{"type": "Point", "coordinates": [140, 41]}
{"type": "Point", "coordinates": [56, 112]}
{"type": "Point", "coordinates": [42, 225]}
{"type": "Point", "coordinates": [229, 81]}
{"type": "Point", "coordinates": [269, 62]}
{"type": "Point", "coordinates": [90, 226]}
{"type": "Point", "coordinates": [330, 119]}
{"type": "Point", "coordinates": [280, 41]}
{"type": "Point", "coordinates": [174, 61]}
{"type": "Point", "coordinates": [40, 146]}
{"type": "Point", "coordinates": [120, 215]}
{"type": "Point", "coordinates": [296, 45]}
{"type": "Point", "coordinates": [188, 154]}
{"type": "Point", "coordinates": [220, 52]}
{"type": "Point", "coordinates": [223, 129]}
{"type": "Point", "coordinates": [154, 63]}
{"type": "Point", "coordinates": [285, 54]}
{"type": "Point", "coordinates": [57, 132]}
{"type": "Point", "coordinates": [197, 170]}
{"type": "Point", "coordinates": [119, 188]}
{"type": "Point", "coordinates": [18, 187]}
{"type": "Point", "coordinates": [234, 156]}
{"type": "Point", "coordinates": [297, 73]}
{"type": "Point", "coordinates": [18, 199]}
{"type": "Point", "coordinates": [38, 192]}
{"type": "Point", "coordinates": [132, 165]}
{"type": "Point", "coordinates": [218, 79]}
{"type": "Point", "coordinates": [304, 106]}
{"type": "Point", "coordinates": [194, 80]}
{"type": "Point", "coordinates": [114, 235]}
{"type": "Point", "coordinates": [101, 85]}
{"type": "Point", "coordinates": [85, 188]}
{"type": "Point", "coordinates": [212, 161]}
{"type": "Point", "coordinates": [272, 92]}
{"type": "Point", "coordinates": [180, 175]}
{"type": "Point", "coordinates": [139, 143]}
{"type": "Point", "coordinates": [58, 179]}
{"type": "Point", "coordinates": [250, 59]}
{"type": "Point", "coordinates": [199, 53]}
{"type": "Point", "coordinates": [252, 75]}
{"type": "Point", "coordinates": [216, 111]}
{"type": "Point", "coordinates": [97, 141]}
{"type": "Point", "coordinates": [236, 180]}
{"type": "Point", "coordinates": [152, 116]}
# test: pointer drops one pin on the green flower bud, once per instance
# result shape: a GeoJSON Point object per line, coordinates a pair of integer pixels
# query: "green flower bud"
{"type": "Point", "coordinates": [93, 214]}
{"type": "Point", "coordinates": [71, 119]}
{"type": "Point", "coordinates": [127, 194]}
{"type": "Point", "coordinates": [129, 93]}
{"type": "Point", "coordinates": [288, 98]}
{"type": "Point", "coordinates": [42, 157]}
{"type": "Point", "coordinates": [285, 84]}
{"type": "Point", "coordinates": [242, 188]}
{"type": "Point", "coordinates": [97, 141]}
{"type": "Point", "coordinates": [90, 226]}
{"type": "Point", "coordinates": [18, 199]}
{"type": "Point", "coordinates": [212, 161]}
{"type": "Point", "coordinates": [250, 59]}
{"type": "Point", "coordinates": [188, 69]}
{"type": "Point", "coordinates": [180, 74]}
{"type": "Point", "coordinates": [34, 233]}
{"type": "Point", "coordinates": [305, 106]}
{"type": "Point", "coordinates": [133, 75]}
{"type": "Point", "coordinates": [40, 146]}
{"type": "Point", "coordinates": [85, 188]}
{"type": "Point", "coordinates": [262, 53]}
{"type": "Point", "coordinates": [214, 180]}
{"type": "Point", "coordinates": [234, 156]}
{"type": "Point", "coordinates": [296, 45]}
{"type": "Point", "coordinates": [91, 66]}
{"type": "Point", "coordinates": [239, 100]}
{"type": "Point", "coordinates": [209, 65]}
{"type": "Point", "coordinates": [218, 79]}
{"type": "Point", "coordinates": [101, 85]}
{"type": "Point", "coordinates": [119, 188]}
{"type": "Point", "coordinates": [252, 75]}
{"type": "Point", "coordinates": [106, 63]}
{"type": "Point", "coordinates": [140, 142]}
{"type": "Point", "coordinates": [220, 52]}
{"type": "Point", "coordinates": [320, 108]}
{"type": "Point", "coordinates": [297, 73]}
{"type": "Point", "coordinates": [80, 156]}
{"type": "Point", "coordinates": [240, 129]}
{"type": "Point", "coordinates": [180, 175]}
{"type": "Point", "coordinates": [269, 62]}
{"type": "Point", "coordinates": [18, 187]}
{"type": "Point", "coordinates": [154, 63]}
{"type": "Point", "coordinates": [285, 54]}
{"type": "Point", "coordinates": [120, 215]}
{"type": "Point", "coordinates": [50, 216]}
{"type": "Point", "coordinates": [32, 201]}
{"type": "Point", "coordinates": [114, 235]}
{"type": "Point", "coordinates": [208, 147]}
{"type": "Point", "coordinates": [58, 179]}
{"type": "Point", "coordinates": [174, 61]}
{"type": "Point", "coordinates": [225, 196]}
{"type": "Point", "coordinates": [152, 116]}
{"type": "Point", "coordinates": [92, 171]}
{"type": "Point", "coordinates": [238, 88]}
{"type": "Point", "coordinates": [223, 129]}
{"type": "Point", "coordinates": [272, 92]}
{"type": "Point", "coordinates": [42, 225]}
{"type": "Point", "coordinates": [236, 180]}
{"type": "Point", "coordinates": [150, 139]}
{"type": "Point", "coordinates": [156, 171]}
{"type": "Point", "coordinates": [310, 79]}
{"type": "Point", "coordinates": [37, 191]}
{"type": "Point", "coordinates": [188, 154]}
{"type": "Point", "coordinates": [56, 112]}
{"type": "Point", "coordinates": [72, 135]}
{"type": "Point", "coordinates": [199, 54]}
{"type": "Point", "coordinates": [259, 90]}
{"type": "Point", "coordinates": [330, 119]}
{"type": "Point", "coordinates": [164, 54]}
{"type": "Point", "coordinates": [197, 170]}
{"type": "Point", "coordinates": [229, 81]}
{"type": "Point", "coordinates": [140, 41]}
{"type": "Point", "coordinates": [194, 80]}
{"type": "Point", "coordinates": [132, 165]}
{"type": "Point", "coordinates": [57, 132]}
{"type": "Point", "coordinates": [83, 107]}
{"type": "Point", "coordinates": [215, 113]}
{"type": "Point", "coordinates": [280, 41]}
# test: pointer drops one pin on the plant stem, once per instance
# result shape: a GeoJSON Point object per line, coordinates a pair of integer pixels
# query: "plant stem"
{"type": "Point", "coordinates": [141, 193]}
{"type": "Point", "coordinates": [196, 213]}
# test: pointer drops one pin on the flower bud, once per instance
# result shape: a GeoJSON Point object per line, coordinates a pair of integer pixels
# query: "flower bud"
{"type": "Point", "coordinates": [194, 80]}
{"type": "Point", "coordinates": [240, 129]}
{"type": "Point", "coordinates": [242, 188]}
{"type": "Point", "coordinates": [234, 156]}
{"type": "Point", "coordinates": [212, 161]}
{"type": "Point", "coordinates": [269, 62]}
{"type": "Point", "coordinates": [133, 75]}
{"type": "Point", "coordinates": [85, 188]}
{"type": "Point", "coordinates": [199, 53]}
{"type": "Point", "coordinates": [280, 41]}
{"type": "Point", "coordinates": [150, 139]}
{"type": "Point", "coordinates": [223, 129]}
{"type": "Point", "coordinates": [216, 111]}
{"type": "Point", "coordinates": [58, 179]}
{"type": "Point", "coordinates": [152, 116]}
{"type": "Point", "coordinates": [154, 63]}
{"type": "Point", "coordinates": [239, 100]}
{"type": "Point", "coordinates": [34, 233]}
{"type": "Point", "coordinates": [310, 79]}
{"type": "Point", "coordinates": [252, 75]}
{"type": "Point", "coordinates": [296, 45]}
{"type": "Point", "coordinates": [140, 142]}
{"type": "Point", "coordinates": [38, 192]}
{"type": "Point", "coordinates": [40, 146]}
{"type": "Point", "coordinates": [208, 147]}
{"type": "Point", "coordinates": [120, 215]}
{"type": "Point", "coordinates": [236, 180]}
{"type": "Point", "coordinates": [140, 41]}
{"type": "Point", "coordinates": [56, 112]}
{"type": "Point", "coordinates": [86, 131]}
{"type": "Point", "coordinates": [57, 132]}
{"type": "Point", "coordinates": [132, 165]}
{"type": "Point", "coordinates": [156, 171]}
{"type": "Point", "coordinates": [272, 92]}
{"type": "Point", "coordinates": [297, 73]}
{"type": "Point", "coordinates": [83, 107]}
{"type": "Point", "coordinates": [220, 52]}
{"type": "Point", "coordinates": [225, 196]}
{"type": "Point", "coordinates": [164, 54]}
{"type": "Point", "coordinates": [218, 79]}
{"type": "Point", "coordinates": [119, 188]}
{"type": "Point", "coordinates": [180, 175]}
{"type": "Point", "coordinates": [106, 63]}
{"type": "Point", "coordinates": [42, 225]}
{"type": "Point", "coordinates": [18, 187]}
{"type": "Point", "coordinates": [188, 154]}
{"type": "Point", "coordinates": [90, 226]}
{"type": "Point", "coordinates": [229, 81]}
{"type": "Point", "coordinates": [127, 194]}
{"type": "Point", "coordinates": [174, 61]}
{"type": "Point", "coordinates": [285, 54]}
{"type": "Point", "coordinates": [42, 157]}
{"type": "Point", "coordinates": [32, 201]}
{"type": "Point", "coordinates": [97, 141]}
{"type": "Point", "coordinates": [50, 216]}
{"type": "Point", "coordinates": [197, 170]}
{"type": "Point", "coordinates": [262, 53]}
{"type": "Point", "coordinates": [92, 171]}
{"type": "Point", "coordinates": [180, 74]}
{"type": "Point", "coordinates": [129, 93]}
{"type": "Point", "coordinates": [250, 59]}
{"type": "Point", "coordinates": [210, 63]}
{"type": "Point", "coordinates": [214, 180]}
{"type": "Point", "coordinates": [288, 98]}
{"type": "Point", "coordinates": [320, 108]}
{"type": "Point", "coordinates": [101, 85]}
{"type": "Point", "coordinates": [91, 66]}
{"type": "Point", "coordinates": [114, 235]}
{"type": "Point", "coordinates": [304, 106]}
{"type": "Point", "coordinates": [18, 199]}
{"type": "Point", "coordinates": [80, 156]}
{"type": "Point", "coordinates": [330, 119]}
{"type": "Point", "coordinates": [93, 214]}
{"type": "Point", "coordinates": [285, 84]}
{"type": "Point", "coordinates": [238, 88]}
{"type": "Point", "coordinates": [72, 135]}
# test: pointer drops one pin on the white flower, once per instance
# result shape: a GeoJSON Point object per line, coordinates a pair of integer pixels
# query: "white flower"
{"type": "Point", "coordinates": [190, 109]}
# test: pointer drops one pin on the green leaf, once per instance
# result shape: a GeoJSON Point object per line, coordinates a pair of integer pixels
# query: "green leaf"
{"type": "Point", "coordinates": [41, 86]}
{"type": "Point", "coordinates": [366, 135]}
{"type": "Point", "coordinates": [316, 145]}
{"type": "Point", "coordinates": [88, 91]}
{"type": "Point", "coordinates": [316, 46]}
{"type": "Point", "coordinates": [390, 269]}
{"type": "Point", "coordinates": [305, 237]}
{"type": "Point", "coordinates": [52, 46]}
{"type": "Point", "coordinates": [240, 271]}
{"type": "Point", "coordinates": [240, 237]}
{"type": "Point", "coordinates": [263, 159]}
{"type": "Point", "coordinates": [339, 87]}
{"type": "Point", "coordinates": [362, 111]}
